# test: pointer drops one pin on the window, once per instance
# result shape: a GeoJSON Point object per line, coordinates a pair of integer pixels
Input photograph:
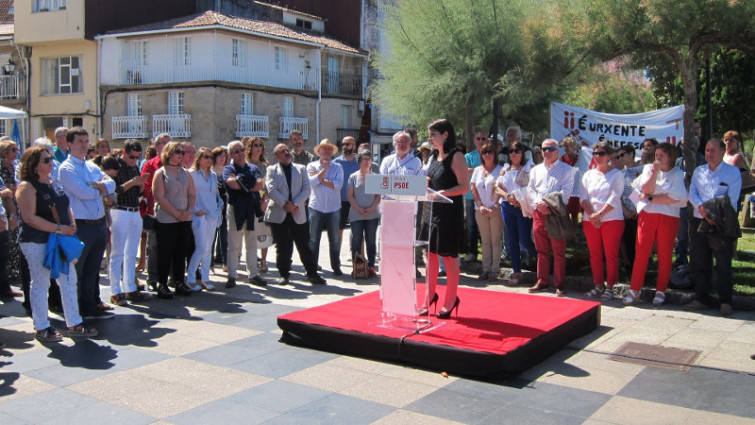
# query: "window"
{"type": "Point", "coordinates": [288, 106]}
{"type": "Point", "coordinates": [247, 104]}
{"type": "Point", "coordinates": [176, 102]}
{"type": "Point", "coordinates": [334, 76]}
{"type": "Point", "coordinates": [140, 53]}
{"type": "Point", "coordinates": [61, 75]}
{"type": "Point", "coordinates": [47, 5]}
{"type": "Point", "coordinates": [346, 116]}
{"type": "Point", "coordinates": [237, 52]}
{"type": "Point", "coordinates": [183, 51]}
{"type": "Point", "coordinates": [281, 59]}
{"type": "Point", "coordinates": [134, 105]}
{"type": "Point", "coordinates": [301, 23]}
{"type": "Point", "coordinates": [3, 128]}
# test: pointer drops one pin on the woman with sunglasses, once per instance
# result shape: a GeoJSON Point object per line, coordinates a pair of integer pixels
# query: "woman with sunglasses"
{"type": "Point", "coordinates": [600, 191]}
{"type": "Point", "coordinates": [661, 194]}
{"type": "Point", "coordinates": [515, 176]}
{"type": "Point", "coordinates": [255, 154]}
{"type": "Point", "coordinates": [205, 220]}
{"type": "Point", "coordinates": [486, 211]}
{"type": "Point", "coordinates": [46, 210]}
{"type": "Point", "coordinates": [174, 193]}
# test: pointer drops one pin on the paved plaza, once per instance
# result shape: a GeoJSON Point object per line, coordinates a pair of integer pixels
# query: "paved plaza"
{"type": "Point", "coordinates": [214, 358]}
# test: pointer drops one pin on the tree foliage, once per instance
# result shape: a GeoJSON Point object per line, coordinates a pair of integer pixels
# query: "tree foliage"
{"type": "Point", "coordinates": [609, 90]}
{"type": "Point", "coordinates": [451, 58]}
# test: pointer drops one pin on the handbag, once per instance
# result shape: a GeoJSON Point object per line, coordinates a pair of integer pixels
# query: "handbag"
{"type": "Point", "coordinates": [748, 181]}
{"type": "Point", "coordinates": [359, 268]}
{"type": "Point", "coordinates": [264, 235]}
{"type": "Point", "coordinates": [148, 222]}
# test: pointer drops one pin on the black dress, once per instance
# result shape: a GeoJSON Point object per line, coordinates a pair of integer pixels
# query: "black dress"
{"type": "Point", "coordinates": [443, 222]}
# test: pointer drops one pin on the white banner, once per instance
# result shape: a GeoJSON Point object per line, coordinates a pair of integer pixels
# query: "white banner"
{"type": "Point", "coordinates": [588, 126]}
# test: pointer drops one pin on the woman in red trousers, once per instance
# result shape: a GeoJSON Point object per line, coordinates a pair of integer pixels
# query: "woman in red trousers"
{"type": "Point", "coordinates": [661, 194]}
{"type": "Point", "coordinates": [602, 219]}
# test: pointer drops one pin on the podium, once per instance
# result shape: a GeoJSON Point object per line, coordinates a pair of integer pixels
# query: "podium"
{"type": "Point", "coordinates": [398, 280]}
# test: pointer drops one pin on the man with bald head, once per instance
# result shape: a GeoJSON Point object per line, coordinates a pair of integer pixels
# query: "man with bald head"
{"type": "Point", "coordinates": [287, 186]}
{"type": "Point", "coordinates": [546, 178]}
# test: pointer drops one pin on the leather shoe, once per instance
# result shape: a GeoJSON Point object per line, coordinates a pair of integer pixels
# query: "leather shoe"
{"type": "Point", "coordinates": [337, 271]}
{"type": "Point", "coordinates": [316, 280]}
{"type": "Point", "coordinates": [230, 283]}
{"type": "Point", "coordinates": [561, 291]}
{"type": "Point", "coordinates": [283, 280]}
{"type": "Point", "coordinates": [258, 280]}
{"type": "Point", "coordinates": [538, 287]}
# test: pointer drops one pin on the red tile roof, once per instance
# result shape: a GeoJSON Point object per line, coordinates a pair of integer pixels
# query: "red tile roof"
{"type": "Point", "coordinates": [211, 18]}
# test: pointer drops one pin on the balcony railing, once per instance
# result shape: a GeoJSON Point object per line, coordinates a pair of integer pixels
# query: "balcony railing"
{"type": "Point", "coordinates": [177, 125]}
{"type": "Point", "coordinates": [252, 126]}
{"type": "Point", "coordinates": [290, 123]}
{"type": "Point", "coordinates": [11, 87]}
{"type": "Point", "coordinates": [335, 82]}
{"type": "Point", "coordinates": [302, 79]}
{"type": "Point", "coordinates": [129, 127]}
{"type": "Point", "coordinates": [343, 132]}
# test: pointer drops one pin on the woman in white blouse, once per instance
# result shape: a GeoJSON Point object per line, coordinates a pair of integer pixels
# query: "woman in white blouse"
{"type": "Point", "coordinates": [206, 218]}
{"type": "Point", "coordinates": [514, 178]}
{"type": "Point", "coordinates": [487, 211]}
{"type": "Point", "coordinates": [600, 193]}
{"type": "Point", "coordinates": [661, 193]}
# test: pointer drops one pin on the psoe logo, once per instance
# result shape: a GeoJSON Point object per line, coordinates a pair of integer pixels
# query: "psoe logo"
{"type": "Point", "coordinates": [385, 184]}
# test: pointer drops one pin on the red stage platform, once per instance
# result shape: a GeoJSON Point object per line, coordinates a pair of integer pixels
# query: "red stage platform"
{"type": "Point", "coordinates": [496, 333]}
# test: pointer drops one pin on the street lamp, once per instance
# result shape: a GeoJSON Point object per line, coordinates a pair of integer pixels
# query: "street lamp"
{"type": "Point", "coordinates": [9, 67]}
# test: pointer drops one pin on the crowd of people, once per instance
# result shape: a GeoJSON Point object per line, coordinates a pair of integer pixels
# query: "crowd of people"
{"type": "Point", "coordinates": [179, 211]}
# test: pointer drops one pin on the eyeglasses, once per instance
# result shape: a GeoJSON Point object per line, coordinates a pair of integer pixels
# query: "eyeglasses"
{"type": "Point", "coordinates": [550, 149]}
{"type": "Point", "coordinates": [517, 150]}
{"type": "Point", "coordinates": [621, 155]}
{"type": "Point", "coordinates": [235, 151]}
{"type": "Point", "coordinates": [257, 145]}
{"type": "Point", "coordinates": [206, 156]}
{"type": "Point", "coordinates": [46, 159]}
{"type": "Point", "coordinates": [488, 153]}
{"type": "Point", "coordinates": [180, 152]}
{"type": "Point", "coordinates": [600, 153]}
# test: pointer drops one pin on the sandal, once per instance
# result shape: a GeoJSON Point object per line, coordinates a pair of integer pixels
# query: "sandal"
{"type": "Point", "coordinates": [105, 307]}
{"type": "Point", "coordinates": [596, 292]}
{"type": "Point", "coordinates": [660, 298]}
{"type": "Point", "coordinates": [48, 335]}
{"type": "Point", "coordinates": [630, 298]}
{"type": "Point", "coordinates": [263, 268]}
{"type": "Point", "coordinates": [81, 331]}
{"type": "Point", "coordinates": [607, 294]}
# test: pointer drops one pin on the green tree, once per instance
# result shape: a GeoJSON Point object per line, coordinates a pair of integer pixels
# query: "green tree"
{"type": "Point", "coordinates": [681, 33]}
{"type": "Point", "coordinates": [612, 91]}
{"type": "Point", "coordinates": [451, 58]}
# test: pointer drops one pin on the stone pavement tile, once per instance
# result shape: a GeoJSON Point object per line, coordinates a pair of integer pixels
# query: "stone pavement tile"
{"type": "Point", "coordinates": [732, 355]}
{"type": "Point", "coordinates": [404, 417]}
{"type": "Point", "coordinates": [621, 410]}
{"type": "Point", "coordinates": [406, 373]}
{"type": "Point", "coordinates": [638, 312]}
{"type": "Point", "coordinates": [717, 323]}
{"type": "Point", "coordinates": [283, 362]}
{"type": "Point", "coordinates": [18, 337]}
{"type": "Point", "coordinates": [389, 391]}
{"type": "Point", "coordinates": [334, 409]}
{"type": "Point", "coordinates": [596, 422]}
{"type": "Point", "coordinates": [10, 420]}
{"type": "Point", "coordinates": [522, 414]}
{"type": "Point", "coordinates": [590, 361]}
{"type": "Point", "coordinates": [458, 406]}
{"type": "Point", "coordinates": [634, 334]}
{"type": "Point", "coordinates": [239, 351]}
{"type": "Point", "coordinates": [258, 322]}
{"type": "Point", "coordinates": [192, 336]}
{"type": "Point", "coordinates": [275, 396]}
{"type": "Point", "coordinates": [700, 389]}
{"type": "Point", "coordinates": [59, 406]}
{"type": "Point", "coordinates": [74, 365]}
{"type": "Point", "coordinates": [581, 374]}
{"type": "Point", "coordinates": [14, 385]}
{"type": "Point", "coordinates": [696, 339]}
{"type": "Point", "coordinates": [169, 387]}
{"type": "Point", "coordinates": [547, 366]}
{"type": "Point", "coordinates": [662, 321]}
{"type": "Point", "coordinates": [223, 411]}
{"type": "Point", "coordinates": [329, 378]}
{"type": "Point", "coordinates": [560, 399]}
{"type": "Point", "coordinates": [745, 333]}
{"type": "Point", "coordinates": [700, 417]}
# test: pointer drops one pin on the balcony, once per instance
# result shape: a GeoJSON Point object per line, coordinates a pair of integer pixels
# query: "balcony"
{"type": "Point", "coordinates": [343, 132]}
{"type": "Point", "coordinates": [290, 123]}
{"type": "Point", "coordinates": [348, 83]}
{"type": "Point", "coordinates": [177, 125]}
{"type": "Point", "coordinates": [129, 127]}
{"type": "Point", "coordinates": [302, 79]}
{"type": "Point", "coordinates": [12, 87]}
{"type": "Point", "coordinates": [252, 126]}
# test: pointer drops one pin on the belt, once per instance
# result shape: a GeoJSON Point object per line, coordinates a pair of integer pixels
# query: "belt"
{"type": "Point", "coordinates": [96, 222]}
{"type": "Point", "coordinates": [130, 209]}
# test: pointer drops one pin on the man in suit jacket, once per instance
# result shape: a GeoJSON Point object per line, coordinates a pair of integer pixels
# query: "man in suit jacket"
{"type": "Point", "coordinates": [288, 188]}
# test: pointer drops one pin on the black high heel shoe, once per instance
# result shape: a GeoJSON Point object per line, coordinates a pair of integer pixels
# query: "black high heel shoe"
{"type": "Point", "coordinates": [426, 311]}
{"type": "Point", "coordinates": [447, 314]}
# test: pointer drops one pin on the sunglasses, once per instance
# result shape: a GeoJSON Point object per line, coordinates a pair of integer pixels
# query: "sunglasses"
{"type": "Point", "coordinates": [621, 155]}
{"type": "Point", "coordinates": [550, 149]}
{"type": "Point", "coordinates": [180, 152]}
{"type": "Point", "coordinates": [46, 160]}
{"type": "Point", "coordinates": [134, 156]}
{"type": "Point", "coordinates": [517, 150]}
{"type": "Point", "coordinates": [256, 145]}
{"type": "Point", "coordinates": [600, 153]}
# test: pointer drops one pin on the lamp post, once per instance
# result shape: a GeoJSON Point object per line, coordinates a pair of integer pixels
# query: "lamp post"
{"type": "Point", "coordinates": [9, 67]}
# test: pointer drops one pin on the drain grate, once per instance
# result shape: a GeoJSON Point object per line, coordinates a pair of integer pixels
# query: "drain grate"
{"type": "Point", "coordinates": [655, 355]}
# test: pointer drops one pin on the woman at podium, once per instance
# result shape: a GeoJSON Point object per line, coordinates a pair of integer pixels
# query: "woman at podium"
{"type": "Point", "coordinates": [447, 175]}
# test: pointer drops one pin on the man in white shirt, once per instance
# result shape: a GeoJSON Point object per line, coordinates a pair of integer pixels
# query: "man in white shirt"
{"type": "Point", "coordinates": [711, 180]}
{"type": "Point", "coordinates": [546, 178]}
{"type": "Point", "coordinates": [402, 162]}
{"type": "Point", "coordinates": [325, 181]}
